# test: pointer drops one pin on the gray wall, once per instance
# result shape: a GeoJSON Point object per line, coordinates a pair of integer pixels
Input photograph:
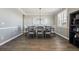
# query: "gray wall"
{"type": "Point", "coordinates": [10, 23]}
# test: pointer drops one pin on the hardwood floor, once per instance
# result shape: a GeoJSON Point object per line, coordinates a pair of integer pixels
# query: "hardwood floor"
{"type": "Point", "coordinates": [22, 43]}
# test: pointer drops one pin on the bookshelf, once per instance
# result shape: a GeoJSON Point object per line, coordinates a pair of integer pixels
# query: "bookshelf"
{"type": "Point", "coordinates": [74, 28]}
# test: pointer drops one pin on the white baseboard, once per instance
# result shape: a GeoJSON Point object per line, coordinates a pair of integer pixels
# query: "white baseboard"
{"type": "Point", "coordinates": [10, 39]}
{"type": "Point", "coordinates": [62, 36]}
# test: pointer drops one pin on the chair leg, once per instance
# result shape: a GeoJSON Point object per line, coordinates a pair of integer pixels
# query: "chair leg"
{"type": "Point", "coordinates": [28, 35]}
{"type": "Point", "coordinates": [42, 36]}
{"type": "Point", "coordinates": [45, 35]}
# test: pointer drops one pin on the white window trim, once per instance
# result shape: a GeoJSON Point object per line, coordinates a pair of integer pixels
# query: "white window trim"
{"type": "Point", "coordinates": [61, 19]}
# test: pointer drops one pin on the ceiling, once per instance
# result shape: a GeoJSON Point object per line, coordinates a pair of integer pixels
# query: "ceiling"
{"type": "Point", "coordinates": [38, 11]}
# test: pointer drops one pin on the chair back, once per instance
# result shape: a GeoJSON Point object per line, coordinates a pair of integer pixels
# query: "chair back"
{"type": "Point", "coordinates": [40, 28]}
{"type": "Point", "coordinates": [48, 28]}
{"type": "Point", "coordinates": [31, 28]}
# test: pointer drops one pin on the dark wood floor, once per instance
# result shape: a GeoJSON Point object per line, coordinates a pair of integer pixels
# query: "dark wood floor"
{"type": "Point", "coordinates": [22, 43]}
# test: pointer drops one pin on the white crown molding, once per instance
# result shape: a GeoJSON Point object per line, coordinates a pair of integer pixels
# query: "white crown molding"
{"type": "Point", "coordinates": [22, 10]}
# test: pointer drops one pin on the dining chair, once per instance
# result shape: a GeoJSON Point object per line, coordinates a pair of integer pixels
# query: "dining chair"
{"type": "Point", "coordinates": [31, 31]}
{"type": "Point", "coordinates": [47, 32]}
{"type": "Point", "coordinates": [40, 31]}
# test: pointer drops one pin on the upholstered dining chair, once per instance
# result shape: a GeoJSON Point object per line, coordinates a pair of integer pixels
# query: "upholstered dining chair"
{"type": "Point", "coordinates": [40, 31]}
{"type": "Point", "coordinates": [31, 31]}
{"type": "Point", "coordinates": [47, 31]}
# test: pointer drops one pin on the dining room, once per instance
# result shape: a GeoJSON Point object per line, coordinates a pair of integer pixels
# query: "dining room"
{"type": "Point", "coordinates": [35, 29]}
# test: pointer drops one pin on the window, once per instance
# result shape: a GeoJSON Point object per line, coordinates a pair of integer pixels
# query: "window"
{"type": "Point", "coordinates": [36, 21]}
{"type": "Point", "coordinates": [62, 19]}
{"type": "Point", "coordinates": [43, 21]}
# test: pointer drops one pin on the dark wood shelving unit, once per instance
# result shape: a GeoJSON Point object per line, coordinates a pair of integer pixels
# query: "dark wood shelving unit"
{"type": "Point", "coordinates": [74, 28]}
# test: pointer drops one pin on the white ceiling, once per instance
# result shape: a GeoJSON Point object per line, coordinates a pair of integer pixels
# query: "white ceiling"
{"type": "Point", "coordinates": [37, 11]}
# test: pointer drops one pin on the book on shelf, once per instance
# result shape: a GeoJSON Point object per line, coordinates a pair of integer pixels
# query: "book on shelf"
{"type": "Point", "coordinates": [76, 29]}
{"type": "Point", "coordinates": [76, 21]}
{"type": "Point", "coordinates": [77, 35]}
{"type": "Point", "coordinates": [77, 16]}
